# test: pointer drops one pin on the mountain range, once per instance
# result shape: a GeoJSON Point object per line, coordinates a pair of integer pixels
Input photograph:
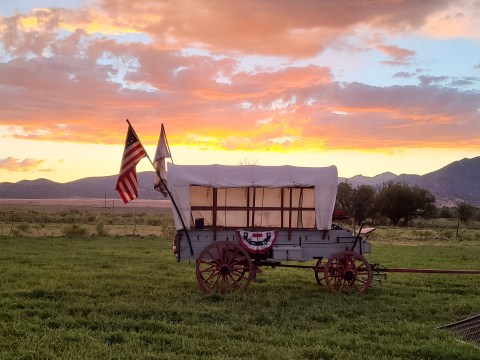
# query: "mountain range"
{"type": "Point", "coordinates": [458, 181]}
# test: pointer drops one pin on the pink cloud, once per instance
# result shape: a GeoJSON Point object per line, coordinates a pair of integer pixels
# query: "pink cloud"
{"type": "Point", "coordinates": [268, 27]}
{"type": "Point", "coordinates": [13, 164]}
{"type": "Point", "coordinates": [206, 98]}
{"type": "Point", "coordinates": [400, 56]}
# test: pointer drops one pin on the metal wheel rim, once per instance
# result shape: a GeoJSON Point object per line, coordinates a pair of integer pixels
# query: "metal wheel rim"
{"type": "Point", "coordinates": [224, 267]}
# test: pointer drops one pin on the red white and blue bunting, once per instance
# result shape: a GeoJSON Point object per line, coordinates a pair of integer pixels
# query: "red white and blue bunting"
{"type": "Point", "coordinates": [257, 242]}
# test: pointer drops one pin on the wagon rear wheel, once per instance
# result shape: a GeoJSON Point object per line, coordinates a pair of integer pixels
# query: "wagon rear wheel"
{"type": "Point", "coordinates": [224, 267]}
{"type": "Point", "coordinates": [348, 272]}
{"type": "Point", "coordinates": [320, 270]}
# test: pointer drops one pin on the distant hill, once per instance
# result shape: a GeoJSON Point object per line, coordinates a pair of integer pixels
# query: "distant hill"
{"type": "Point", "coordinates": [372, 181]}
{"type": "Point", "coordinates": [92, 187]}
{"type": "Point", "coordinates": [458, 181]}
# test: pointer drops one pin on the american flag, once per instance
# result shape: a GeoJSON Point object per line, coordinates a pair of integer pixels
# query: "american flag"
{"type": "Point", "coordinates": [127, 184]}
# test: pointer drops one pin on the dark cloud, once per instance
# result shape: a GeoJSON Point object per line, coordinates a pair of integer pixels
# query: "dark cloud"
{"type": "Point", "coordinates": [404, 74]}
{"type": "Point", "coordinates": [429, 80]}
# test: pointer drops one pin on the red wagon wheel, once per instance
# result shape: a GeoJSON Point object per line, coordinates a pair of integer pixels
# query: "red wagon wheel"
{"type": "Point", "coordinates": [320, 270]}
{"type": "Point", "coordinates": [348, 272]}
{"type": "Point", "coordinates": [224, 267]}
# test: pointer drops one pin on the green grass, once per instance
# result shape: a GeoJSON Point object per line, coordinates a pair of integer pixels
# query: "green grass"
{"type": "Point", "coordinates": [126, 298]}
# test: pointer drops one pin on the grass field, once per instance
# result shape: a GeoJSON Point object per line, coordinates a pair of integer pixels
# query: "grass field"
{"type": "Point", "coordinates": [118, 296]}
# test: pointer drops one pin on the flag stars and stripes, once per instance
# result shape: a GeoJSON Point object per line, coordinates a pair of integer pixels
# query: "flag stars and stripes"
{"type": "Point", "coordinates": [127, 184]}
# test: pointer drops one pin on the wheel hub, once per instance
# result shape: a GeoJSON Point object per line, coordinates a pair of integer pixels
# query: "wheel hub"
{"type": "Point", "coordinates": [349, 275]}
{"type": "Point", "coordinates": [224, 270]}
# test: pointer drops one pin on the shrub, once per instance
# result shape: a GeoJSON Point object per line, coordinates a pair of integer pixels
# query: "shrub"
{"type": "Point", "coordinates": [153, 222]}
{"type": "Point", "coordinates": [447, 234]}
{"type": "Point", "coordinates": [101, 231]}
{"type": "Point", "coordinates": [23, 227]}
{"type": "Point", "coordinates": [74, 231]}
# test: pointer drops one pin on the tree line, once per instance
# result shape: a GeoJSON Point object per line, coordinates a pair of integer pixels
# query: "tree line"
{"type": "Point", "coordinates": [398, 202]}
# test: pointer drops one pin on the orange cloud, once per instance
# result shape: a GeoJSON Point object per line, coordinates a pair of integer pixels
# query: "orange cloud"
{"type": "Point", "coordinates": [270, 27]}
{"type": "Point", "coordinates": [63, 82]}
{"type": "Point", "coordinates": [13, 164]}
{"type": "Point", "coordinates": [458, 20]}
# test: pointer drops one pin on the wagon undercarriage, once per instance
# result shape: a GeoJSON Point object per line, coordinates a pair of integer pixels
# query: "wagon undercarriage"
{"type": "Point", "coordinates": [226, 265]}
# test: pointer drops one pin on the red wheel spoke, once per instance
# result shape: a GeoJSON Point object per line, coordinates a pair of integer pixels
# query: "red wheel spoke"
{"type": "Point", "coordinates": [236, 262]}
{"type": "Point", "coordinates": [233, 256]}
{"type": "Point", "coordinates": [337, 282]}
{"type": "Point", "coordinates": [339, 265]}
{"type": "Point", "coordinates": [211, 256]}
{"type": "Point", "coordinates": [212, 275]}
{"type": "Point", "coordinates": [223, 256]}
{"type": "Point", "coordinates": [362, 280]}
{"type": "Point", "coordinates": [216, 280]}
{"type": "Point", "coordinates": [348, 272]}
{"type": "Point", "coordinates": [221, 287]}
{"type": "Point", "coordinates": [224, 267]}
{"type": "Point", "coordinates": [239, 271]}
{"type": "Point", "coordinates": [210, 268]}
{"type": "Point", "coordinates": [349, 287]}
{"type": "Point", "coordinates": [235, 281]}
{"type": "Point", "coordinates": [356, 287]}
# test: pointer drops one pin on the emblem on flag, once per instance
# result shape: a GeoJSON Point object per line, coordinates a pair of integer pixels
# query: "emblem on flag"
{"type": "Point", "coordinates": [257, 242]}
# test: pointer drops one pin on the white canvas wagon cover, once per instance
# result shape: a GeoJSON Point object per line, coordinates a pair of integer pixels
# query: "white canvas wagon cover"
{"type": "Point", "coordinates": [181, 178]}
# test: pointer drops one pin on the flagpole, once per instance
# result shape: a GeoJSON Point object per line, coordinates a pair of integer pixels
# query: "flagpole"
{"type": "Point", "coordinates": [169, 193]}
{"type": "Point", "coordinates": [166, 142]}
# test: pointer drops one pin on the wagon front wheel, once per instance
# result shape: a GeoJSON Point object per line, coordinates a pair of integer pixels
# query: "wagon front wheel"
{"type": "Point", "coordinates": [348, 272]}
{"type": "Point", "coordinates": [224, 267]}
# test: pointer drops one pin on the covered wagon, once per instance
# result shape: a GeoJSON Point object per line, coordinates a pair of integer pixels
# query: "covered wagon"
{"type": "Point", "coordinates": [235, 219]}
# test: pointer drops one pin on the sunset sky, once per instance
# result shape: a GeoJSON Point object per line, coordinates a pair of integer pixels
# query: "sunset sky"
{"type": "Point", "coordinates": [368, 86]}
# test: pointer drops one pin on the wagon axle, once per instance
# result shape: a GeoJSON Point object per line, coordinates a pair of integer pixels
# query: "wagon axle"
{"type": "Point", "coordinates": [224, 270]}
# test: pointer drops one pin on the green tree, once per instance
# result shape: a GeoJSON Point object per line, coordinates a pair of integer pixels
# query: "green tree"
{"type": "Point", "coordinates": [465, 213]}
{"type": "Point", "coordinates": [363, 202]}
{"type": "Point", "coordinates": [398, 201]}
{"type": "Point", "coordinates": [345, 196]}
{"type": "Point", "coordinates": [445, 212]}
{"type": "Point", "coordinates": [423, 203]}
{"type": "Point", "coordinates": [358, 202]}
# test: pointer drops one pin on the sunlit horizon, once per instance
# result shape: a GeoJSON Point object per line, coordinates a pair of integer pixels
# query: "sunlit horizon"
{"type": "Point", "coordinates": [390, 88]}
{"type": "Point", "coordinates": [348, 163]}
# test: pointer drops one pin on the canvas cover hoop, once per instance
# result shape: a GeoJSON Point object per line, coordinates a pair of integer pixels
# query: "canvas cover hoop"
{"type": "Point", "coordinates": [323, 180]}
